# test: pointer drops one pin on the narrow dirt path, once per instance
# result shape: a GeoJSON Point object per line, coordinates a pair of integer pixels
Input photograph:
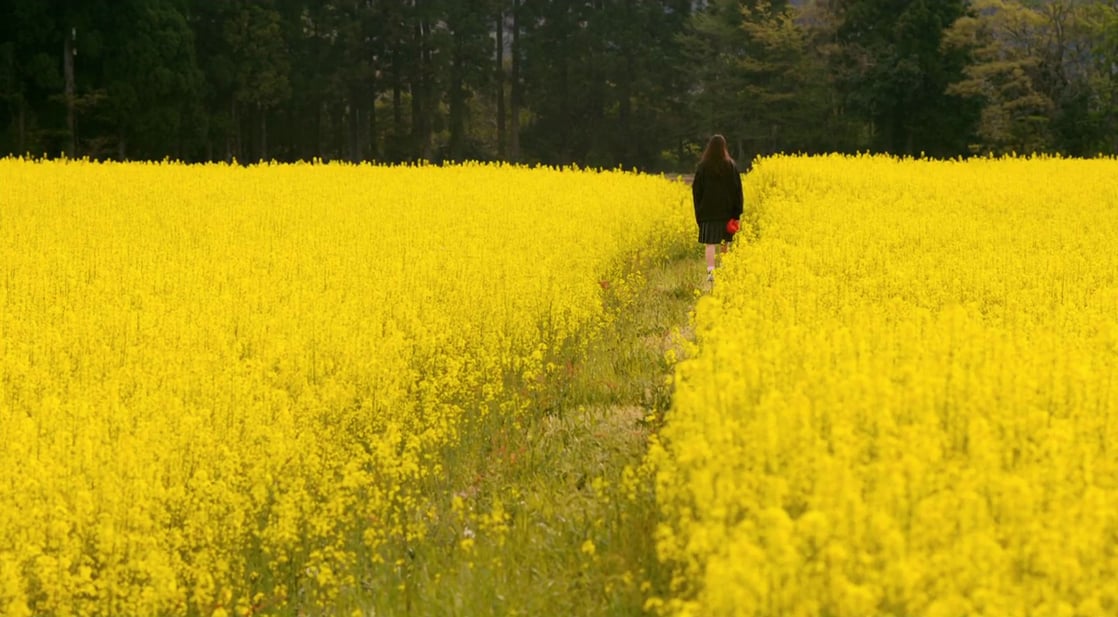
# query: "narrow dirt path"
{"type": "Point", "coordinates": [595, 443]}
{"type": "Point", "coordinates": [567, 521]}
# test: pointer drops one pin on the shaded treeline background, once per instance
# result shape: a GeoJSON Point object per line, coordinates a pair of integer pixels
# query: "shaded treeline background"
{"type": "Point", "coordinates": [636, 83]}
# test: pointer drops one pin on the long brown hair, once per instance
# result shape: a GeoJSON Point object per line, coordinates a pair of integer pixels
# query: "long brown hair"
{"type": "Point", "coordinates": [716, 156]}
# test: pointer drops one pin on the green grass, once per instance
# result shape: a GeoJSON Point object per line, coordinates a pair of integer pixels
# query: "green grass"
{"type": "Point", "coordinates": [511, 523]}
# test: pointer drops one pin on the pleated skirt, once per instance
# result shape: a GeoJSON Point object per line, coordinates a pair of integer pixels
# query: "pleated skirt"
{"type": "Point", "coordinates": [714, 232]}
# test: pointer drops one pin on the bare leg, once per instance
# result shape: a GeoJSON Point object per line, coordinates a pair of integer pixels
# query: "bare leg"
{"type": "Point", "coordinates": [710, 255]}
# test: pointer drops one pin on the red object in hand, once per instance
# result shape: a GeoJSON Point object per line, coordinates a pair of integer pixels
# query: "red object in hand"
{"type": "Point", "coordinates": [732, 226]}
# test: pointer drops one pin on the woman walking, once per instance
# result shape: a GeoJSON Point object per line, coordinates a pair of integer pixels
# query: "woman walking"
{"type": "Point", "coordinates": [716, 191]}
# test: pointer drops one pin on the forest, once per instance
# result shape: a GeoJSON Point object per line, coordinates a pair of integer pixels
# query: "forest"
{"type": "Point", "coordinates": [600, 83]}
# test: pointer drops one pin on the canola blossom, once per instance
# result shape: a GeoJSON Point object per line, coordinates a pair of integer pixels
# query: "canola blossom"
{"type": "Point", "coordinates": [903, 397]}
{"type": "Point", "coordinates": [222, 387]}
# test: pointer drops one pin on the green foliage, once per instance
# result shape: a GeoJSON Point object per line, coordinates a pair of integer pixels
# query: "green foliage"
{"type": "Point", "coordinates": [894, 73]}
{"type": "Point", "coordinates": [1101, 27]}
{"type": "Point", "coordinates": [635, 83]}
{"type": "Point", "coordinates": [1040, 72]}
{"type": "Point", "coordinates": [1002, 74]}
{"type": "Point", "coordinates": [714, 43]}
{"type": "Point", "coordinates": [606, 79]}
{"type": "Point", "coordinates": [153, 79]}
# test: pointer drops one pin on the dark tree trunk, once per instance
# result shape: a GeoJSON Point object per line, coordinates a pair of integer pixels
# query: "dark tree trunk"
{"type": "Point", "coordinates": [625, 106]}
{"type": "Point", "coordinates": [397, 118]}
{"type": "Point", "coordinates": [416, 121]}
{"type": "Point", "coordinates": [418, 86]}
{"type": "Point", "coordinates": [397, 102]}
{"type": "Point", "coordinates": [515, 94]}
{"type": "Point", "coordinates": [421, 104]}
{"type": "Point", "coordinates": [233, 137]}
{"type": "Point", "coordinates": [372, 145]}
{"type": "Point", "coordinates": [353, 124]}
{"type": "Point", "coordinates": [565, 115]}
{"type": "Point", "coordinates": [500, 75]}
{"type": "Point", "coordinates": [68, 72]}
{"type": "Point", "coordinates": [263, 134]}
{"type": "Point", "coordinates": [21, 115]}
{"type": "Point", "coordinates": [457, 102]}
{"type": "Point", "coordinates": [319, 139]}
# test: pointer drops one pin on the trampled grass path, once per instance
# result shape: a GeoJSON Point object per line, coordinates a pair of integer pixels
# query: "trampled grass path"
{"type": "Point", "coordinates": [581, 517]}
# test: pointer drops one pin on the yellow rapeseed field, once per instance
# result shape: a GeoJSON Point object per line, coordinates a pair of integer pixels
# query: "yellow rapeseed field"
{"type": "Point", "coordinates": [221, 386]}
{"type": "Point", "coordinates": [903, 399]}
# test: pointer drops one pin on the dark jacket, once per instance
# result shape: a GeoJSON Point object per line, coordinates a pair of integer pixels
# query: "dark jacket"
{"type": "Point", "coordinates": [716, 191]}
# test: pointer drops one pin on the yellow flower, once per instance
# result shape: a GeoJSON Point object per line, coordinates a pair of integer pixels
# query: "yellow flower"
{"type": "Point", "coordinates": [899, 398]}
{"type": "Point", "coordinates": [218, 377]}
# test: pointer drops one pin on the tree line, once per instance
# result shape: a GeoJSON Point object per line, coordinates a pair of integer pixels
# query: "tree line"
{"type": "Point", "coordinates": [633, 83]}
